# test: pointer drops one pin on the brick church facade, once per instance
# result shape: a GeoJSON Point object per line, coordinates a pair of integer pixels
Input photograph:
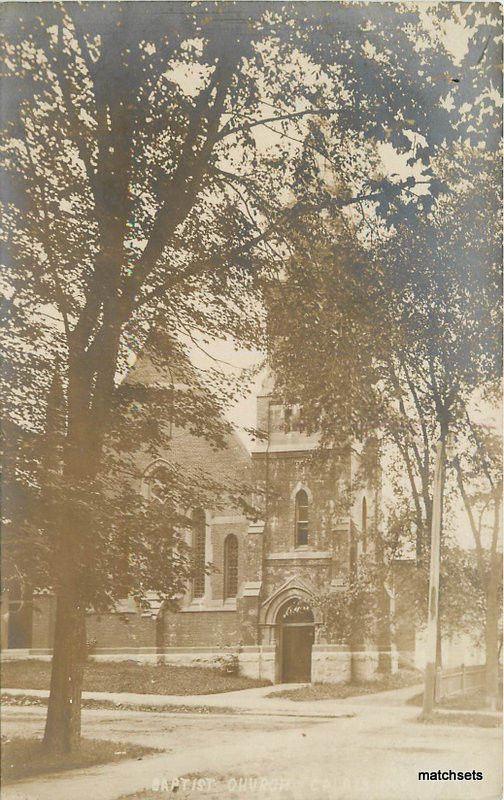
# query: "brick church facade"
{"type": "Point", "coordinates": [259, 599]}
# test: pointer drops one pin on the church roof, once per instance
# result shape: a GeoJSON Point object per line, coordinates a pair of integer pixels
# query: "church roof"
{"type": "Point", "coordinates": [159, 367]}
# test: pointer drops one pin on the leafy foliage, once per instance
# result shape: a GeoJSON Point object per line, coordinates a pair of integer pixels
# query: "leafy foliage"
{"type": "Point", "coordinates": [351, 616]}
{"type": "Point", "coordinates": [400, 335]}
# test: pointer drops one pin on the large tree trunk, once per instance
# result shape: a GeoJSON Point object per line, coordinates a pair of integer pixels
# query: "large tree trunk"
{"type": "Point", "coordinates": [63, 722]}
{"type": "Point", "coordinates": [80, 464]}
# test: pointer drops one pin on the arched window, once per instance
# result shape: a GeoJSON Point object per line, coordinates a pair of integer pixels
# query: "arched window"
{"type": "Point", "coordinates": [230, 566]}
{"type": "Point", "coordinates": [364, 525]}
{"type": "Point", "coordinates": [301, 518]}
{"type": "Point", "coordinates": [199, 551]}
{"type": "Point", "coordinates": [158, 483]}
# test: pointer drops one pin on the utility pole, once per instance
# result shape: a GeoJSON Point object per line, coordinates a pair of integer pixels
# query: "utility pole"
{"type": "Point", "coordinates": [433, 615]}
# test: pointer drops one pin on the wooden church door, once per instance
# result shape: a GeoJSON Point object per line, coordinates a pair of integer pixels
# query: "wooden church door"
{"type": "Point", "coordinates": [297, 640]}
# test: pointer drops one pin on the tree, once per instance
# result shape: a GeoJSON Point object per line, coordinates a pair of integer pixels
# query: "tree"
{"type": "Point", "coordinates": [401, 335]}
{"type": "Point", "coordinates": [139, 196]}
{"type": "Point", "coordinates": [351, 615]}
{"type": "Point", "coordinates": [462, 611]}
{"type": "Point", "coordinates": [479, 479]}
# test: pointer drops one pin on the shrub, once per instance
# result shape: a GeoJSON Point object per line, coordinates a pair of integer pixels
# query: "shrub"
{"type": "Point", "coordinates": [228, 664]}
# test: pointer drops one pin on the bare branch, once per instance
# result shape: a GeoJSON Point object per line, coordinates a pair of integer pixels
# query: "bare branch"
{"type": "Point", "coordinates": [409, 426]}
{"type": "Point", "coordinates": [416, 400]}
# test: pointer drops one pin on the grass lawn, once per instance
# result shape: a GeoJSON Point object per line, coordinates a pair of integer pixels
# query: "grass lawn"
{"type": "Point", "coordinates": [472, 701]}
{"type": "Point", "coordinates": [129, 676]}
{"type": "Point", "coordinates": [452, 718]}
{"type": "Point", "coordinates": [339, 691]}
{"type": "Point", "coordinates": [26, 758]}
{"type": "Point", "coordinates": [29, 700]}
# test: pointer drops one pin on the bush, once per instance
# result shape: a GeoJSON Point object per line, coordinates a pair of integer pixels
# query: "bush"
{"type": "Point", "coordinates": [227, 664]}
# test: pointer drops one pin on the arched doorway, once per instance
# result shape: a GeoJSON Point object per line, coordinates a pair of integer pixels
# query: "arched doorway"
{"type": "Point", "coordinates": [20, 618]}
{"type": "Point", "coordinates": [297, 630]}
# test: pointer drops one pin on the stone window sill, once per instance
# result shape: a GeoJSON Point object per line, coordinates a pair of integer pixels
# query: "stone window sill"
{"type": "Point", "coordinates": [299, 553]}
{"type": "Point", "coordinates": [211, 605]}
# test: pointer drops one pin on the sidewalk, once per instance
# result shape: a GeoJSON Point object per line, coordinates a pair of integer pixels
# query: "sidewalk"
{"type": "Point", "coordinates": [112, 781]}
{"type": "Point", "coordinates": [247, 701]}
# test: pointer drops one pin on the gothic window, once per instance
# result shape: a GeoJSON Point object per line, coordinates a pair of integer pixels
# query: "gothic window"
{"type": "Point", "coordinates": [158, 484]}
{"type": "Point", "coordinates": [230, 566]}
{"type": "Point", "coordinates": [301, 518]}
{"type": "Point", "coordinates": [199, 552]}
{"type": "Point", "coordinates": [364, 525]}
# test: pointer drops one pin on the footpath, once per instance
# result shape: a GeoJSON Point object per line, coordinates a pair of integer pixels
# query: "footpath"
{"type": "Point", "coordinates": [356, 723]}
{"type": "Point", "coordinates": [245, 701]}
{"type": "Point", "coordinates": [112, 781]}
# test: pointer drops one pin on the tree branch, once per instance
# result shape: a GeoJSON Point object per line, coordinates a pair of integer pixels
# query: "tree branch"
{"type": "Point", "coordinates": [480, 446]}
{"type": "Point", "coordinates": [319, 112]}
{"type": "Point", "coordinates": [70, 107]}
{"type": "Point", "coordinates": [403, 449]}
{"type": "Point", "coordinates": [182, 189]}
{"type": "Point", "coordinates": [407, 421]}
{"type": "Point", "coordinates": [472, 521]}
{"type": "Point", "coordinates": [61, 299]}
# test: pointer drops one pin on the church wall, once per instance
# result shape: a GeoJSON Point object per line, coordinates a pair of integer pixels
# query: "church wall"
{"type": "Point", "coordinates": [206, 626]}
{"type": "Point", "coordinates": [251, 583]}
{"type": "Point", "coordinates": [314, 573]}
{"type": "Point", "coordinates": [220, 528]}
{"type": "Point", "coordinates": [114, 630]}
{"type": "Point", "coordinates": [213, 620]}
{"type": "Point", "coordinates": [202, 628]}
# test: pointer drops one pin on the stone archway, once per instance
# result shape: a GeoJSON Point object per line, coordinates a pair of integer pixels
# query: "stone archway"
{"type": "Point", "coordinates": [271, 620]}
{"type": "Point", "coordinates": [296, 629]}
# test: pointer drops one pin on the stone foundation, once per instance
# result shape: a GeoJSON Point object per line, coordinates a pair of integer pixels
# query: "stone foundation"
{"type": "Point", "coordinates": [254, 662]}
{"type": "Point", "coordinates": [258, 662]}
{"type": "Point", "coordinates": [366, 664]}
{"type": "Point", "coordinates": [330, 664]}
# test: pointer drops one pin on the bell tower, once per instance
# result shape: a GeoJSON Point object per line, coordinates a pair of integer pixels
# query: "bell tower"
{"type": "Point", "coordinates": [317, 519]}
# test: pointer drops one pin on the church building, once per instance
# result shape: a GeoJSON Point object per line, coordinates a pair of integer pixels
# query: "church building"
{"type": "Point", "coordinates": [260, 600]}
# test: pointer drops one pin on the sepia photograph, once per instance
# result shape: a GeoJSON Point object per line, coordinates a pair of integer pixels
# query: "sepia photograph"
{"type": "Point", "coordinates": [251, 432]}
